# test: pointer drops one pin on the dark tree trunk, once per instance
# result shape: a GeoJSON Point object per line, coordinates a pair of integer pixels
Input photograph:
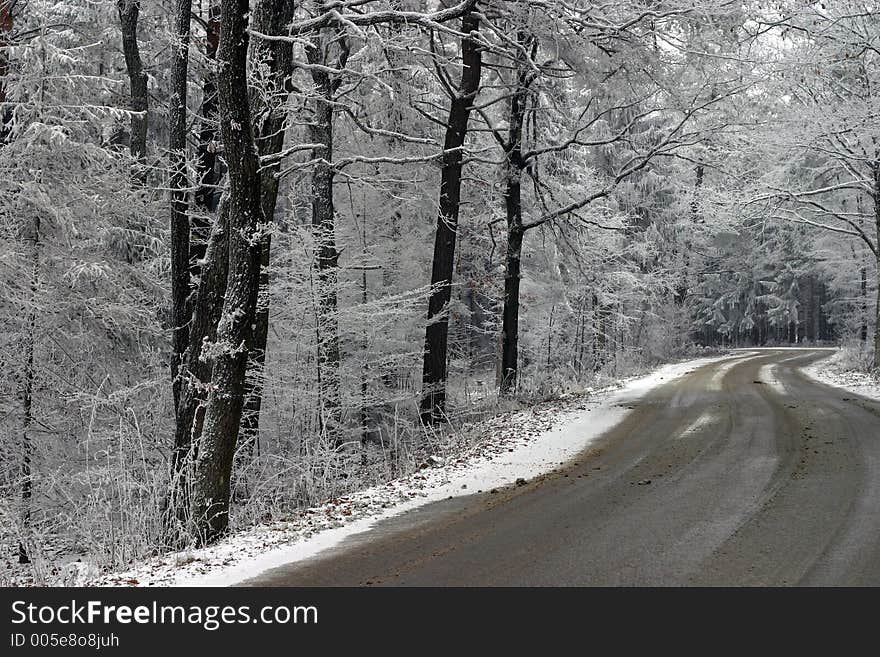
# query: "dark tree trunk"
{"type": "Point", "coordinates": [877, 264]}
{"type": "Point", "coordinates": [699, 172]}
{"type": "Point", "coordinates": [7, 22]}
{"type": "Point", "coordinates": [215, 450]}
{"type": "Point", "coordinates": [809, 320]}
{"type": "Point", "coordinates": [207, 262]}
{"type": "Point", "coordinates": [601, 330]}
{"type": "Point", "coordinates": [207, 194]}
{"type": "Point", "coordinates": [180, 275]}
{"type": "Point", "coordinates": [196, 377]}
{"type": "Point", "coordinates": [510, 319]}
{"type": "Point", "coordinates": [434, 372]}
{"type": "Point", "coordinates": [681, 288]}
{"type": "Point", "coordinates": [324, 226]}
{"type": "Point", "coordinates": [863, 291]}
{"type": "Point", "coordinates": [28, 371]}
{"type": "Point", "coordinates": [877, 316]}
{"type": "Point", "coordinates": [27, 399]}
{"type": "Point", "coordinates": [365, 345]}
{"type": "Point", "coordinates": [326, 260]}
{"type": "Point", "coordinates": [128, 19]}
{"type": "Point", "coordinates": [515, 231]}
{"type": "Point", "coordinates": [581, 334]}
{"type": "Point", "coordinates": [269, 17]}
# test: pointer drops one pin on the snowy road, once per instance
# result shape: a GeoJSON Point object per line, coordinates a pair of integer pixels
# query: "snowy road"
{"type": "Point", "coordinates": [743, 472]}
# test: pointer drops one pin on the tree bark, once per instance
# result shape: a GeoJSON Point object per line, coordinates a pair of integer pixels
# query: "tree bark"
{"type": "Point", "coordinates": [863, 292]}
{"type": "Point", "coordinates": [269, 17]}
{"type": "Point", "coordinates": [434, 369]}
{"type": "Point", "coordinates": [877, 322]}
{"type": "Point", "coordinates": [877, 266]}
{"type": "Point", "coordinates": [510, 319]}
{"type": "Point", "coordinates": [601, 328]}
{"type": "Point", "coordinates": [128, 19]}
{"type": "Point", "coordinates": [180, 231]}
{"type": "Point", "coordinates": [207, 194]}
{"type": "Point", "coordinates": [515, 232]}
{"type": "Point", "coordinates": [324, 225]}
{"type": "Point", "coordinates": [7, 22]}
{"type": "Point", "coordinates": [810, 303]}
{"type": "Point", "coordinates": [27, 399]}
{"type": "Point", "coordinates": [213, 460]}
{"type": "Point", "coordinates": [681, 288]}
{"type": "Point", "coordinates": [196, 377]}
{"type": "Point", "coordinates": [28, 373]}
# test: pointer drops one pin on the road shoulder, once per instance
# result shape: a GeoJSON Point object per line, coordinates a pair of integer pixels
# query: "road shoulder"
{"type": "Point", "coordinates": [516, 447]}
{"type": "Point", "coordinates": [830, 372]}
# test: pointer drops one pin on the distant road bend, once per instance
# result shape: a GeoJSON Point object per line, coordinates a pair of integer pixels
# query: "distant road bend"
{"type": "Point", "coordinates": [740, 473]}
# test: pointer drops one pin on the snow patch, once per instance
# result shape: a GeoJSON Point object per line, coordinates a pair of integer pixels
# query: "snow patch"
{"type": "Point", "coordinates": [703, 420]}
{"type": "Point", "coordinates": [829, 372]}
{"type": "Point", "coordinates": [767, 375]}
{"type": "Point", "coordinates": [526, 444]}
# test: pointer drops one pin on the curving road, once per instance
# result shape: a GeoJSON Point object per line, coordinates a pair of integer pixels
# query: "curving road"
{"type": "Point", "coordinates": [742, 472]}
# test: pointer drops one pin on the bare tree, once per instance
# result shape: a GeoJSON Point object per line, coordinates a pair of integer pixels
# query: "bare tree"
{"type": "Point", "coordinates": [7, 22]}
{"type": "Point", "coordinates": [180, 229]}
{"type": "Point", "coordinates": [327, 50]}
{"type": "Point", "coordinates": [128, 19]}
{"type": "Point", "coordinates": [207, 195]}
{"type": "Point", "coordinates": [225, 401]}
{"type": "Point", "coordinates": [462, 96]}
{"type": "Point", "coordinates": [269, 113]}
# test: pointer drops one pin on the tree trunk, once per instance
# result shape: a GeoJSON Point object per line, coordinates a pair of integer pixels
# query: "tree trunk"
{"type": "Point", "coordinates": [213, 460]}
{"type": "Point", "coordinates": [810, 303]}
{"type": "Point", "coordinates": [27, 399]}
{"type": "Point", "coordinates": [877, 265]}
{"type": "Point", "coordinates": [515, 232]}
{"type": "Point", "coordinates": [6, 25]}
{"type": "Point", "coordinates": [269, 17]}
{"type": "Point", "coordinates": [877, 313]}
{"type": "Point", "coordinates": [681, 289]}
{"type": "Point", "coordinates": [326, 259]}
{"type": "Point", "coordinates": [863, 292]}
{"type": "Point", "coordinates": [601, 329]}
{"type": "Point", "coordinates": [195, 378]}
{"type": "Point", "coordinates": [510, 317]}
{"type": "Point", "coordinates": [128, 19]}
{"type": "Point", "coordinates": [324, 228]}
{"type": "Point", "coordinates": [434, 372]}
{"type": "Point", "coordinates": [180, 276]}
{"type": "Point", "coordinates": [207, 194]}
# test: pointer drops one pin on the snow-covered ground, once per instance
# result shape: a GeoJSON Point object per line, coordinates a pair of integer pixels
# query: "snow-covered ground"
{"type": "Point", "coordinates": [830, 371]}
{"type": "Point", "coordinates": [518, 445]}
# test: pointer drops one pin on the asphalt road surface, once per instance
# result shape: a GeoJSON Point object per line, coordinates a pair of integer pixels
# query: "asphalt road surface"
{"type": "Point", "coordinates": [739, 473]}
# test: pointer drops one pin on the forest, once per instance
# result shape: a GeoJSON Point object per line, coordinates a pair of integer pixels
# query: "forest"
{"type": "Point", "coordinates": [258, 254]}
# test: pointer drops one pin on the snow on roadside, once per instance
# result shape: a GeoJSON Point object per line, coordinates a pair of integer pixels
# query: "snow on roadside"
{"type": "Point", "coordinates": [830, 372]}
{"type": "Point", "coordinates": [518, 445]}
